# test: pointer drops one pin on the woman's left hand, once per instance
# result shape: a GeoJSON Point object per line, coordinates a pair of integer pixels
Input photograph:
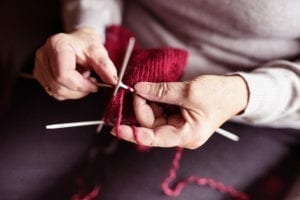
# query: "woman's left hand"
{"type": "Point", "coordinates": [205, 104]}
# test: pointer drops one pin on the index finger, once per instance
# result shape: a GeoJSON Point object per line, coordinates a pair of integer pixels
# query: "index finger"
{"type": "Point", "coordinates": [99, 59]}
{"type": "Point", "coordinates": [63, 66]}
{"type": "Point", "coordinates": [162, 136]}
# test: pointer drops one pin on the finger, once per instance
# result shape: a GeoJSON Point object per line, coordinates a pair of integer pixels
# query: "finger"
{"type": "Point", "coordinates": [63, 65]}
{"type": "Point", "coordinates": [163, 136]}
{"type": "Point", "coordinates": [44, 75]}
{"type": "Point", "coordinates": [143, 112]}
{"type": "Point", "coordinates": [60, 92]}
{"type": "Point", "coordinates": [157, 110]}
{"type": "Point", "coordinates": [102, 64]}
{"type": "Point", "coordinates": [38, 63]}
{"type": "Point", "coordinates": [166, 92]}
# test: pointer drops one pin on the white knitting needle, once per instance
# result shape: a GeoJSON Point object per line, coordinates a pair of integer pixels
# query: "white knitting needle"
{"type": "Point", "coordinates": [124, 66]}
{"type": "Point", "coordinates": [228, 134]}
{"type": "Point", "coordinates": [121, 85]}
{"type": "Point", "coordinates": [26, 75]}
{"type": "Point", "coordinates": [220, 131]}
{"type": "Point", "coordinates": [73, 124]}
{"type": "Point", "coordinates": [128, 53]}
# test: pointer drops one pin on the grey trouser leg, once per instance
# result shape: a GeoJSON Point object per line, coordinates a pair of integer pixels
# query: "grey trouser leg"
{"type": "Point", "coordinates": [243, 165]}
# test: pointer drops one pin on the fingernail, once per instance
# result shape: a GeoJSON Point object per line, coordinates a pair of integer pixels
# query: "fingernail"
{"type": "Point", "coordinates": [142, 88]}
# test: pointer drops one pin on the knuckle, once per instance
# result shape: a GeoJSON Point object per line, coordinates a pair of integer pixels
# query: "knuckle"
{"type": "Point", "coordinates": [59, 41]}
{"type": "Point", "coordinates": [191, 147]}
{"type": "Point", "coordinates": [162, 91]}
{"type": "Point", "coordinates": [189, 90]}
{"type": "Point", "coordinates": [60, 98]}
{"type": "Point", "coordinates": [103, 63]}
{"type": "Point", "coordinates": [65, 79]}
{"type": "Point", "coordinates": [60, 77]}
{"type": "Point", "coordinates": [78, 88]}
{"type": "Point", "coordinates": [197, 141]}
{"type": "Point", "coordinates": [58, 91]}
{"type": "Point", "coordinates": [57, 37]}
{"type": "Point", "coordinates": [39, 53]}
{"type": "Point", "coordinates": [36, 74]}
{"type": "Point", "coordinates": [196, 144]}
{"type": "Point", "coordinates": [98, 55]}
{"type": "Point", "coordinates": [94, 49]}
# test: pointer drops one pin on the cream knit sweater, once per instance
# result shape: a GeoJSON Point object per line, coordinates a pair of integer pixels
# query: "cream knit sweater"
{"type": "Point", "coordinates": [258, 39]}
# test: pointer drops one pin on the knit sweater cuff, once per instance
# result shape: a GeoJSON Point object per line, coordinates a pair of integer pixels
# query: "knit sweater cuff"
{"type": "Point", "coordinates": [274, 95]}
{"type": "Point", "coordinates": [259, 98]}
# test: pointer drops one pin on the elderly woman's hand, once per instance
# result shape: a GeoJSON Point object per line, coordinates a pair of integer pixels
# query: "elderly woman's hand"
{"type": "Point", "coordinates": [64, 63]}
{"type": "Point", "coordinates": [205, 104]}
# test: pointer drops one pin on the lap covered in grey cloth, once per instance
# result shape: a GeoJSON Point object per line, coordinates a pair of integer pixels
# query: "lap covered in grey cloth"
{"type": "Point", "coordinates": [249, 165]}
{"type": "Point", "coordinates": [36, 163]}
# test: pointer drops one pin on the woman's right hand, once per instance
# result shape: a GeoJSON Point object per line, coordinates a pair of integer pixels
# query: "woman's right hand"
{"type": "Point", "coordinates": [64, 63]}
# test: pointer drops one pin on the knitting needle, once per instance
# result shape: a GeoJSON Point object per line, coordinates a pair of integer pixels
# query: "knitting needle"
{"type": "Point", "coordinates": [121, 85]}
{"type": "Point", "coordinates": [73, 124]}
{"type": "Point", "coordinates": [124, 66]}
{"type": "Point", "coordinates": [128, 53]}
{"type": "Point", "coordinates": [228, 134]}
{"type": "Point", "coordinates": [220, 131]}
{"type": "Point", "coordinates": [26, 75]}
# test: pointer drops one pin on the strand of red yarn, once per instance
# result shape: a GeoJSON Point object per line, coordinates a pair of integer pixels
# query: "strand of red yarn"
{"type": "Point", "coordinates": [92, 195]}
{"type": "Point", "coordinates": [120, 113]}
{"type": "Point", "coordinates": [176, 190]}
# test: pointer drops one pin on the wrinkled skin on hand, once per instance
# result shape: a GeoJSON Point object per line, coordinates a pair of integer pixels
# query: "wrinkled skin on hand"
{"type": "Point", "coordinates": [205, 104]}
{"type": "Point", "coordinates": [64, 64]}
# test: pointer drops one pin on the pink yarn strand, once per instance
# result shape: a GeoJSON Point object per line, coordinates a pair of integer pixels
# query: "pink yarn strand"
{"type": "Point", "coordinates": [174, 192]}
{"type": "Point", "coordinates": [92, 195]}
{"type": "Point", "coordinates": [120, 113]}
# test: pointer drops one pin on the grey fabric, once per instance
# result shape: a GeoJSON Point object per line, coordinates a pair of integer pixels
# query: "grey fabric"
{"type": "Point", "coordinates": [34, 160]}
{"type": "Point", "coordinates": [242, 165]}
{"type": "Point", "coordinates": [36, 163]}
{"type": "Point", "coordinates": [40, 164]}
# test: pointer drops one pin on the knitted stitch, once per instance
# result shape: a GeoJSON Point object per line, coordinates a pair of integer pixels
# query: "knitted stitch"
{"type": "Point", "coordinates": [152, 65]}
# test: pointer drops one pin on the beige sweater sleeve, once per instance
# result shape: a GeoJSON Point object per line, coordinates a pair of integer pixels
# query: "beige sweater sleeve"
{"type": "Point", "coordinates": [92, 13]}
{"type": "Point", "coordinates": [274, 95]}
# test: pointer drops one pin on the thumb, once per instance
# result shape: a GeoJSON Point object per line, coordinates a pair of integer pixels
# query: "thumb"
{"type": "Point", "coordinates": [165, 92]}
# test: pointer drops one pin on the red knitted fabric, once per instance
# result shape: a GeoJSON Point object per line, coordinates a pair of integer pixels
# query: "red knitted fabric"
{"type": "Point", "coordinates": [153, 65]}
